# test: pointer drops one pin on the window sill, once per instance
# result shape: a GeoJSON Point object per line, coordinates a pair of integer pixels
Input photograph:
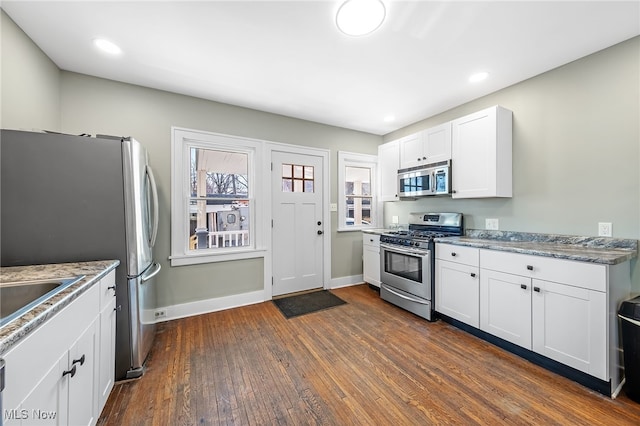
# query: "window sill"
{"type": "Point", "coordinates": [195, 259]}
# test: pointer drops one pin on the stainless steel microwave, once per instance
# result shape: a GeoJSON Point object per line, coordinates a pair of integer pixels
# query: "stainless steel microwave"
{"type": "Point", "coordinates": [429, 179]}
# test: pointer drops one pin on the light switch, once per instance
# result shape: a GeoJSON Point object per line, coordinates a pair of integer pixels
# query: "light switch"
{"type": "Point", "coordinates": [333, 207]}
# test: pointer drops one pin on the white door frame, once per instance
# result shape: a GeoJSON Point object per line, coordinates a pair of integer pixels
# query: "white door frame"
{"type": "Point", "coordinates": [326, 218]}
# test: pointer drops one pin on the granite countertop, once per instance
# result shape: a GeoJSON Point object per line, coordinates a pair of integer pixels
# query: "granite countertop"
{"type": "Point", "coordinates": [608, 251]}
{"type": "Point", "coordinates": [12, 332]}
{"type": "Point", "coordinates": [376, 231]}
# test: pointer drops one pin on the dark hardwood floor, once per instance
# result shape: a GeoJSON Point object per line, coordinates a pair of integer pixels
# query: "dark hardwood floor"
{"type": "Point", "coordinates": [363, 363]}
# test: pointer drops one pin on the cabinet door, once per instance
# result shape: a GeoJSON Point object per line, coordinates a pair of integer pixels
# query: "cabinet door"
{"type": "Point", "coordinates": [437, 143]}
{"type": "Point", "coordinates": [412, 151]}
{"type": "Point", "coordinates": [505, 306]}
{"type": "Point", "coordinates": [458, 292]}
{"type": "Point", "coordinates": [570, 326]}
{"type": "Point", "coordinates": [106, 368]}
{"type": "Point", "coordinates": [82, 389]}
{"type": "Point", "coordinates": [371, 258]}
{"type": "Point", "coordinates": [47, 403]}
{"type": "Point", "coordinates": [388, 165]}
{"type": "Point", "coordinates": [481, 154]}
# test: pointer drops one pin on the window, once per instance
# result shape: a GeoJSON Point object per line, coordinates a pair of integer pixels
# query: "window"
{"type": "Point", "coordinates": [214, 198]}
{"type": "Point", "coordinates": [356, 184]}
{"type": "Point", "coordinates": [297, 178]}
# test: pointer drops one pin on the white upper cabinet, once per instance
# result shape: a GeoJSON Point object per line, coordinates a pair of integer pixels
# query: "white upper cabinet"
{"type": "Point", "coordinates": [481, 154]}
{"type": "Point", "coordinates": [388, 165]}
{"type": "Point", "coordinates": [425, 147]}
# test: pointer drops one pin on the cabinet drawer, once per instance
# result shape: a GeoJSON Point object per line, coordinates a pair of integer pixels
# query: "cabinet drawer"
{"type": "Point", "coordinates": [578, 274]}
{"type": "Point", "coordinates": [370, 239]}
{"type": "Point", "coordinates": [459, 254]}
{"type": "Point", "coordinates": [107, 289]}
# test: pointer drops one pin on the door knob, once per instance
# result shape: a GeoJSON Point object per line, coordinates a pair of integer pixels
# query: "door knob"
{"type": "Point", "coordinates": [320, 232]}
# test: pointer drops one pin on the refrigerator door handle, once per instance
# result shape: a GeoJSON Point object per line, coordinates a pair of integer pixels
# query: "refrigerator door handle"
{"type": "Point", "coordinates": [154, 192]}
{"type": "Point", "coordinates": [150, 273]}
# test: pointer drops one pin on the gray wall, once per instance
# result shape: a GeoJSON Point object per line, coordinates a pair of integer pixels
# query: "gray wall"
{"type": "Point", "coordinates": [43, 97]}
{"type": "Point", "coordinates": [576, 151]}
{"type": "Point", "coordinates": [30, 82]}
{"type": "Point", "coordinates": [93, 105]}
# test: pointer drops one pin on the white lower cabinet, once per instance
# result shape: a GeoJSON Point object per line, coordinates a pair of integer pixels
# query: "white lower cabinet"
{"type": "Point", "coordinates": [505, 306]}
{"type": "Point", "coordinates": [107, 347]}
{"type": "Point", "coordinates": [371, 258]}
{"type": "Point", "coordinates": [570, 326]}
{"type": "Point", "coordinates": [561, 309]}
{"type": "Point", "coordinates": [457, 284]}
{"type": "Point", "coordinates": [54, 375]}
{"type": "Point", "coordinates": [566, 322]}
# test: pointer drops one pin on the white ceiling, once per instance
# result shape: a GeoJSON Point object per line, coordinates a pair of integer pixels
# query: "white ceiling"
{"type": "Point", "coordinates": [287, 57]}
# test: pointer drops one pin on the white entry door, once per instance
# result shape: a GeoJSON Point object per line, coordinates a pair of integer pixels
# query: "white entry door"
{"type": "Point", "coordinates": [297, 232]}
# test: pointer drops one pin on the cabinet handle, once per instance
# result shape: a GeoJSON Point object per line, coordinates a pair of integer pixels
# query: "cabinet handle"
{"type": "Point", "coordinates": [530, 267]}
{"type": "Point", "coordinates": [113, 287]}
{"type": "Point", "coordinates": [536, 289]}
{"type": "Point", "coordinates": [454, 191]}
{"type": "Point", "coordinates": [80, 360]}
{"type": "Point", "coordinates": [418, 159]}
{"type": "Point", "coordinates": [454, 254]}
{"type": "Point", "coordinates": [424, 158]}
{"type": "Point", "coordinates": [371, 239]}
{"type": "Point", "coordinates": [71, 372]}
{"type": "Point", "coordinates": [473, 274]}
{"type": "Point", "coordinates": [523, 286]}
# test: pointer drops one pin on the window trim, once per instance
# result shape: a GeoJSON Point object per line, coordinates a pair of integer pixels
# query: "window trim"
{"type": "Point", "coordinates": [182, 140]}
{"type": "Point", "coordinates": [354, 159]}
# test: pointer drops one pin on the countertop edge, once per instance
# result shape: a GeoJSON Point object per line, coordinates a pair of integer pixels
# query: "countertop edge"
{"type": "Point", "coordinates": [13, 332]}
{"type": "Point", "coordinates": [606, 256]}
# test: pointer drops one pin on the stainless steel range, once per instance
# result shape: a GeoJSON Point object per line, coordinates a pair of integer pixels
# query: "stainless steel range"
{"type": "Point", "coordinates": [407, 261]}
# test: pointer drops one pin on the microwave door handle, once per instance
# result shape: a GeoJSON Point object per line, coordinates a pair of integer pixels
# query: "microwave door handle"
{"type": "Point", "coordinates": [433, 182]}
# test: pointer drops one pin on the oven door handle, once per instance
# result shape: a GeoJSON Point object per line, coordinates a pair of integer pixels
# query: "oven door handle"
{"type": "Point", "coordinates": [404, 251]}
{"type": "Point", "coordinates": [402, 296]}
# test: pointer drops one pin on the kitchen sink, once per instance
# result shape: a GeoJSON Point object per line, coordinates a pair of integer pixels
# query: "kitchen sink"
{"type": "Point", "coordinates": [18, 297]}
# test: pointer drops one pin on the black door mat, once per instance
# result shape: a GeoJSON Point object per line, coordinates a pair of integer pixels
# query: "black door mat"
{"type": "Point", "coordinates": [301, 304]}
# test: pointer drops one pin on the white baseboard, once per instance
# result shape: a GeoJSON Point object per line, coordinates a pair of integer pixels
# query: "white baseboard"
{"type": "Point", "coordinates": [199, 307]}
{"type": "Point", "coordinates": [345, 281]}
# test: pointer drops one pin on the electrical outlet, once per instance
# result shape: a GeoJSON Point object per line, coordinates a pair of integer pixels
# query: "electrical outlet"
{"type": "Point", "coordinates": [491, 224]}
{"type": "Point", "coordinates": [605, 229]}
{"type": "Point", "coordinates": [160, 313]}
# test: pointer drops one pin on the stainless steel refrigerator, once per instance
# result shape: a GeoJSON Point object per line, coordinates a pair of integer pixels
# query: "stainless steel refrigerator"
{"type": "Point", "coordinates": [72, 198]}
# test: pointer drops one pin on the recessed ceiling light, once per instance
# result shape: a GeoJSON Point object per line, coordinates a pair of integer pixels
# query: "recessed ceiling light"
{"type": "Point", "coordinates": [478, 77]}
{"type": "Point", "coordinates": [107, 46]}
{"type": "Point", "coordinates": [389, 118]}
{"type": "Point", "coordinates": [360, 17]}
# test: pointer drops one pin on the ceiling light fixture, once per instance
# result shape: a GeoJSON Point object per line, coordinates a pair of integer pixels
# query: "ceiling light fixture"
{"type": "Point", "coordinates": [477, 77]}
{"type": "Point", "coordinates": [107, 46]}
{"type": "Point", "coordinates": [360, 17]}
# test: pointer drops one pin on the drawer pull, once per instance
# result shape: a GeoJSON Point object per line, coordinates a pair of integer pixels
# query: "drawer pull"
{"type": "Point", "coordinates": [536, 289]}
{"type": "Point", "coordinates": [71, 372]}
{"type": "Point", "coordinates": [523, 286]}
{"type": "Point", "coordinates": [454, 254]}
{"type": "Point", "coordinates": [473, 274]}
{"type": "Point", "coordinates": [371, 239]}
{"type": "Point", "coordinates": [80, 360]}
{"type": "Point", "coordinates": [113, 287]}
{"type": "Point", "coordinates": [530, 267]}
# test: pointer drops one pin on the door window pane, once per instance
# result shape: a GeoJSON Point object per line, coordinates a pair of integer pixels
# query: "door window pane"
{"type": "Point", "coordinates": [297, 178]}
